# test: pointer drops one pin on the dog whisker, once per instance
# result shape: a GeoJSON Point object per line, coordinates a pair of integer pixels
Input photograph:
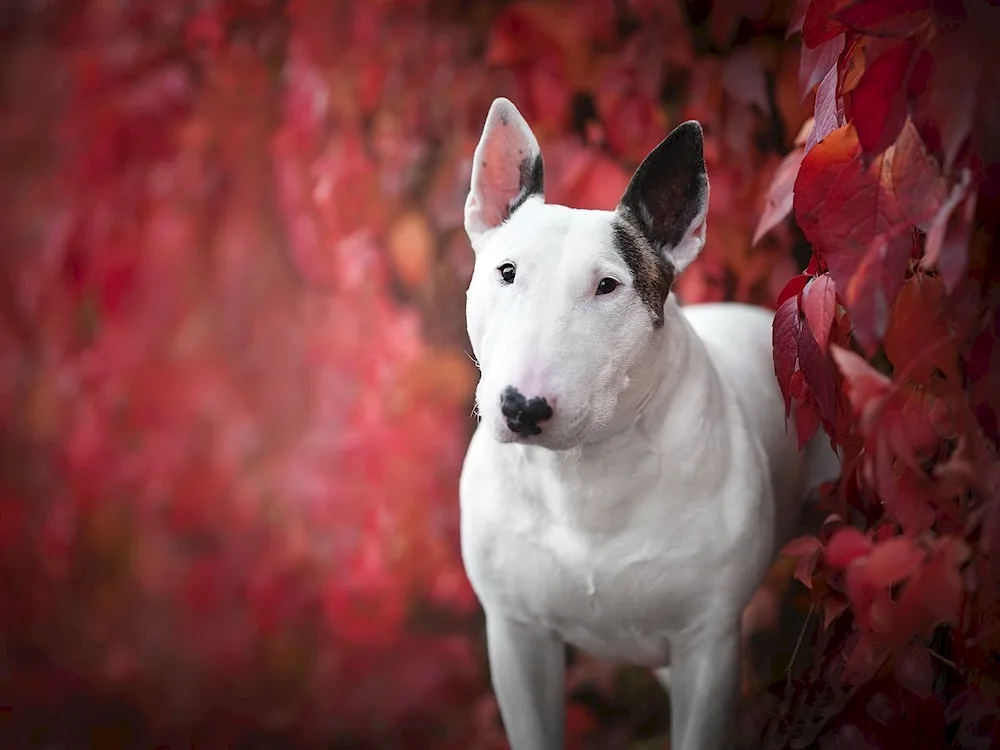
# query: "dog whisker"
{"type": "Point", "coordinates": [474, 360]}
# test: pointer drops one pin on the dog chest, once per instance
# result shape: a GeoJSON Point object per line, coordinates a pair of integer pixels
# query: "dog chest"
{"type": "Point", "coordinates": [618, 595]}
{"type": "Point", "coordinates": [619, 599]}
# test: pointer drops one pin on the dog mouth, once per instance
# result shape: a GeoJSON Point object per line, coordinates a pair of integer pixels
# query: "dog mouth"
{"type": "Point", "coordinates": [522, 428]}
{"type": "Point", "coordinates": [566, 437]}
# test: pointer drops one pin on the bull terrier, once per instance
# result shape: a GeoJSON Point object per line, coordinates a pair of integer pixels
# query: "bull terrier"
{"type": "Point", "coordinates": [631, 476]}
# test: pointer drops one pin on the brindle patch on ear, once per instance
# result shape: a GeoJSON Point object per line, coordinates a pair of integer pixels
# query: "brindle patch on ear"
{"type": "Point", "coordinates": [532, 181]}
{"type": "Point", "coordinates": [652, 273]}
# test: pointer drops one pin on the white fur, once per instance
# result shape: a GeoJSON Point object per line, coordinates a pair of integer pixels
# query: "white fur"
{"type": "Point", "coordinates": [638, 524]}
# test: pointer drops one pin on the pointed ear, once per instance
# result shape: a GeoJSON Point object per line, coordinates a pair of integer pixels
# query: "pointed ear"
{"type": "Point", "coordinates": [667, 197]}
{"type": "Point", "coordinates": [506, 170]}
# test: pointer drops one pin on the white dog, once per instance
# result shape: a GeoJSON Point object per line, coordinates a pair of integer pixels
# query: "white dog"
{"type": "Point", "coordinates": [632, 474]}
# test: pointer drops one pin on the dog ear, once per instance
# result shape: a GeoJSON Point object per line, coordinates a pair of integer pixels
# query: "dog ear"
{"type": "Point", "coordinates": [506, 170]}
{"type": "Point", "coordinates": [667, 197]}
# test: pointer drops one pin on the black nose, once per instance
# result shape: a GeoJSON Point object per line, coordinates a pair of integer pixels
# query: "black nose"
{"type": "Point", "coordinates": [523, 414]}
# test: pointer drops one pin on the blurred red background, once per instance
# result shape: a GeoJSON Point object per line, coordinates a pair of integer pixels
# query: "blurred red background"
{"type": "Point", "coordinates": [234, 393]}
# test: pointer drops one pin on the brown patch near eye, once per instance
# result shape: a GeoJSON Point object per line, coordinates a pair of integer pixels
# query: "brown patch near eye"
{"type": "Point", "coordinates": [652, 274]}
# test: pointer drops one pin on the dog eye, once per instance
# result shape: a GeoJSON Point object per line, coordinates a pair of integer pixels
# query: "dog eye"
{"type": "Point", "coordinates": [606, 286]}
{"type": "Point", "coordinates": [507, 273]}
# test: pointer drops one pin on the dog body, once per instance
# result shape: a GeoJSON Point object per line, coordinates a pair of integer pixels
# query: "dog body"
{"type": "Point", "coordinates": [632, 474]}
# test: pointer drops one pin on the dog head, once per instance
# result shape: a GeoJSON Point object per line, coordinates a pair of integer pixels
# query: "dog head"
{"type": "Point", "coordinates": [564, 304]}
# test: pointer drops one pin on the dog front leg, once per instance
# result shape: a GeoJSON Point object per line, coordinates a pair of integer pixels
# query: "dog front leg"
{"type": "Point", "coordinates": [704, 676]}
{"type": "Point", "coordinates": [528, 670]}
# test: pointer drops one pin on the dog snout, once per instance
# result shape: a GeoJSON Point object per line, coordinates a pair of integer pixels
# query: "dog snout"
{"type": "Point", "coordinates": [524, 415]}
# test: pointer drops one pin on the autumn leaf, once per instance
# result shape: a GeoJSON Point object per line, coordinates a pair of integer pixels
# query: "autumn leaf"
{"type": "Point", "coordinates": [778, 201]}
{"type": "Point", "coordinates": [884, 17]}
{"type": "Point", "coordinates": [872, 285]}
{"type": "Point", "coordinates": [915, 671]}
{"type": "Point", "coordinates": [806, 567]}
{"type": "Point", "coordinates": [807, 418]}
{"type": "Point", "coordinates": [865, 386]}
{"type": "Point", "coordinates": [910, 504]}
{"type": "Point", "coordinates": [851, 65]}
{"type": "Point", "coordinates": [919, 186]}
{"type": "Point", "coordinates": [801, 546]}
{"type": "Point", "coordinates": [880, 98]}
{"type": "Point", "coordinates": [892, 561]}
{"type": "Point", "coordinates": [819, 302]}
{"type": "Point", "coordinates": [846, 546]}
{"type": "Point", "coordinates": [947, 245]}
{"type": "Point", "coordinates": [818, 373]}
{"type": "Point", "coordinates": [816, 63]}
{"type": "Point", "coordinates": [798, 17]}
{"type": "Point", "coordinates": [942, 108]}
{"type": "Point", "coordinates": [819, 24]}
{"type": "Point", "coordinates": [828, 111]}
{"type": "Point", "coordinates": [935, 594]}
{"type": "Point", "coordinates": [820, 168]}
{"type": "Point", "coordinates": [866, 657]}
{"type": "Point", "coordinates": [849, 212]}
{"type": "Point", "coordinates": [793, 287]}
{"type": "Point", "coordinates": [784, 335]}
{"type": "Point", "coordinates": [833, 606]}
{"type": "Point", "coordinates": [916, 321]}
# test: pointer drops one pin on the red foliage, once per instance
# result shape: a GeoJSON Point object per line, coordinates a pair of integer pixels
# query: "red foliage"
{"type": "Point", "coordinates": [897, 196]}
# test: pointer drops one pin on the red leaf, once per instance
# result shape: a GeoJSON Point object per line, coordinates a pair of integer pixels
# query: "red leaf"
{"type": "Point", "coordinates": [942, 589]}
{"type": "Point", "coordinates": [778, 202]}
{"type": "Point", "coordinates": [784, 340]}
{"type": "Point", "coordinates": [920, 187]}
{"type": "Point", "coordinates": [874, 608]}
{"type": "Point", "coordinates": [892, 561]}
{"type": "Point", "coordinates": [913, 424]}
{"type": "Point", "coordinates": [819, 374]}
{"type": "Point", "coordinates": [827, 110]}
{"type": "Point", "coordinates": [915, 672]}
{"type": "Point", "coordinates": [797, 18]}
{"type": "Point", "coordinates": [917, 320]}
{"type": "Point", "coordinates": [819, 26]}
{"type": "Point", "coordinates": [933, 595]}
{"type": "Point", "coordinates": [793, 287]}
{"type": "Point", "coordinates": [880, 98]}
{"type": "Point", "coordinates": [884, 17]}
{"type": "Point", "coordinates": [847, 545]}
{"type": "Point", "coordinates": [819, 302]}
{"type": "Point", "coordinates": [816, 63]}
{"type": "Point", "coordinates": [798, 388]}
{"type": "Point", "coordinates": [801, 546]}
{"type": "Point", "coordinates": [833, 606]}
{"type": "Point", "coordinates": [943, 109]}
{"type": "Point", "coordinates": [872, 285]}
{"type": "Point", "coordinates": [807, 420]}
{"type": "Point", "coordinates": [865, 659]}
{"type": "Point", "coordinates": [818, 173]}
{"type": "Point", "coordinates": [947, 244]}
{"type": "Point", "coordinates": [909, 505]}
{"type": "Point", "coordinates": [805, 568]}
{"type": "Point", "coordinates": [865, 386]}
{"type": "Point", "coordinates": [856, 223]}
